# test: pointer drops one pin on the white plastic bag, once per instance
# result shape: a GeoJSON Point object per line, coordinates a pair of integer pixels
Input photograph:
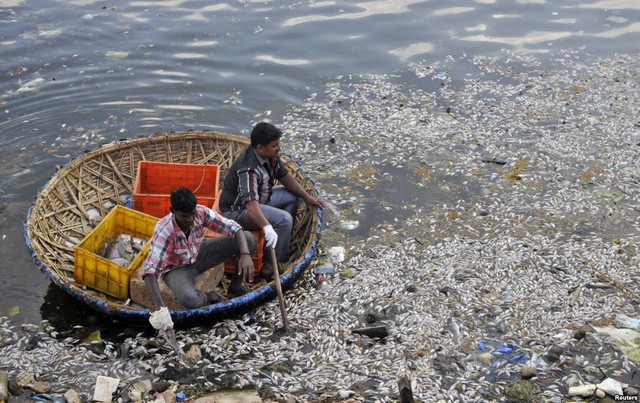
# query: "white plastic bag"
{"type": "Point", "coordinates": [336, 254]}
{"type": "Point", "coordinates": [161, 319]}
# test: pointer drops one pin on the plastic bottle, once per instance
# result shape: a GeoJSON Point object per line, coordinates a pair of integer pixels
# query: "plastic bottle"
{"type": "Point", "coordinates": [180, 397]}
{"type": "Point", "coordinates": [627, 322]}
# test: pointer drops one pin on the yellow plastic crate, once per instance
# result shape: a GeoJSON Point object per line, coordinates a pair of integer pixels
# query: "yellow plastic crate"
{"type": "Point", "coordinates": [100, 273]}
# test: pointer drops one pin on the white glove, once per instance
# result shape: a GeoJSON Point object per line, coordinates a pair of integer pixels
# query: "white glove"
{"type": "Point", "coordinates": [161, 319]}
{"type": "Point", "coordinates": [270, 235]}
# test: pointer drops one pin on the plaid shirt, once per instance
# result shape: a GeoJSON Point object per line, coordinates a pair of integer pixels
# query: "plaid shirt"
{"type": "Point", "coordinates": [169, 246]}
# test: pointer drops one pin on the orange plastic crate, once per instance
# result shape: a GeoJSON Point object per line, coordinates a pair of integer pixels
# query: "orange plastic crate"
{"type": "Point", "coordinates": [156, 180]}
{"type": "Point", "coordinates": [100, 273]}
{"type": "Point", "coordinates": [230, 264]}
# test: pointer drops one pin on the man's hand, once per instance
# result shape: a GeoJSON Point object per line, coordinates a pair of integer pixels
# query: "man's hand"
{"type": "Point", "coordinates": [246, 268]}
{"type": "Point", "coordinates": [270, 235]}
{"type": "Point", "coordinates": [161, 319]}
{"type": "Point", "coordinates": [313, 201]}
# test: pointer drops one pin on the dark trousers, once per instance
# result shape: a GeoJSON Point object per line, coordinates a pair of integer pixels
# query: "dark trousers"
{"type": "Point", "coordinates": [212, 252]}
{"type": "Point", "coordinates": [279, 212]}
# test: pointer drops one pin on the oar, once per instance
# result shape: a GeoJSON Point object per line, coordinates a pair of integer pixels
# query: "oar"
{"type": "Point", "coordinates": [276, 273]}
{"type": "Point", "coordinates": [170, 337]}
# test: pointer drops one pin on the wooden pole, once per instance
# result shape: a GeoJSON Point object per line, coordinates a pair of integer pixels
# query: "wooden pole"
{"type": "Point", "coordinates": [406, 394]}
{"type": "Point", "coordinates": [376, 331]}
{"type": "Point", "coordinates": [276, 275]}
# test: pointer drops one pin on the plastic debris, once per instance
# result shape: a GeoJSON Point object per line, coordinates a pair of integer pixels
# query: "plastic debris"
{"type": "Point", "coordinates": [324, 265]}
{"type": "Point", "coordinates": [349, 224]}
{"type": "Point", "coordinates": [611, 387]}
{"type": "Point", "coordinates": [28, 380]}
{"type": "Point", "coordinates": [92, 337]}
{"type": "Point", "coordinates": [582, 390]}
{"type": "Point", "coordinates": [336, 254]}
{"type": "Point", "coordinates": [625, 321]}
{"type": "Point", "coordinates": [161, 319]}
{"type": "Point", "coordinates": [72, 396]}
{"type": "Point", "coordinates": [47, 398]}
{"type": "Point", "coordinates": [105, 387]}
{"type": "Point", "coordinates": [507, 352]}
{"type": "Point", "coordinates": [52, 33]}
{"type": "Point", "coordinates": [116, 55]}
{"type": "Point", "coordinates": [4, 386]}
{"type": "Point", "coordinates": [14, 310]}
{"type": "Point", "coordinates": [627, 340]}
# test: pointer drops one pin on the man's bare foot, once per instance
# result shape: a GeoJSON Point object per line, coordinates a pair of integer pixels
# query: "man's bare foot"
{"type": "Point", "coordinates": [213, 298]}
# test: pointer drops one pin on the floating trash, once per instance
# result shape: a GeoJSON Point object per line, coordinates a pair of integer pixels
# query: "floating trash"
{"type": "Point", "coordinates": [105, 388]}
{"type": "Point", "coordinates": [349, 224]}
{"type": "Point", "coordinates": [336, 253]}
{"type": "Point", "coordinates": [324, 265]}
{"type": "Point", "coordinates": [116, 55]}
{"type": "Point", "coordinates": [503, 352]}
{"type": "Point", "coordinates": [549, 225]}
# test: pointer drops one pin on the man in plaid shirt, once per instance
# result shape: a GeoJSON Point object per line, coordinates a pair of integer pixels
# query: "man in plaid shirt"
{"type": "Point", "coordinates": [179, 252]}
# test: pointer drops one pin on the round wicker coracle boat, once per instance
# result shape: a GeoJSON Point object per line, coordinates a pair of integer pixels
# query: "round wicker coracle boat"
{"type": "Point", "coordinates": [80, 195]}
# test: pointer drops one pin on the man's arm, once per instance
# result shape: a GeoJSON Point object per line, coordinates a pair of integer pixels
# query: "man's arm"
{"type": "Point", "coordinates": [151, 282]}
{"type": "Point", "coordinates": [255, 212]}
{"type": "Point", "coordinates": [292, 185]}
{"type": "Point", "coordinates": [157, 250]}
{"type": "Point", "coordinates": [223, 225]}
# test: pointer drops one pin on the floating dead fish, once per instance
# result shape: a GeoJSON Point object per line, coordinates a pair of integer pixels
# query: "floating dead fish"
{"type": "Point", "coordinates": [32, 85]}
{"type": "Point", "coordinates": [332, 210]}
{"type": "Point", "coordinates": [453, 328]}
{"type": "Point", "coordinates": [513, 266]}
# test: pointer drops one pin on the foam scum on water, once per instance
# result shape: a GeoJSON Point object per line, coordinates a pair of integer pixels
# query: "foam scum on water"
{"type": "Point", "coordinates": [488, 210]}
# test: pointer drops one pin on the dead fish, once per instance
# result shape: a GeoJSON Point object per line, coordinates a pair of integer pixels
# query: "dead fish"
{"type": "Point", "coordinates": [454, 328]}
{"type": "Point", "coordinates": [120, 247]}
{"type": "Point", "coordinates": [120, 261]}
{"type": "Point", "coordinates": [137, 244]}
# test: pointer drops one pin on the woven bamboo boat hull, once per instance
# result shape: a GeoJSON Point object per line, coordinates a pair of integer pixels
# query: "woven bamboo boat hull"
{"type": "Point", "coordinates": [58, 219]}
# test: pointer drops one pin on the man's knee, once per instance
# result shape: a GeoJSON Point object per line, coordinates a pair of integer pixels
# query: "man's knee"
{"type": "Point", "coordinates": [251, 241]}
{"type": "Point", "coordinates": [193, 300]}
{"type": "Point", "coordinates": [284, 221]}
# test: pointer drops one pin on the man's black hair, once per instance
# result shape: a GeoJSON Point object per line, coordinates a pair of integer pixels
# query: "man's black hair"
{"type": "Point", "coordinates": [264, 133]}
{"type": "Point", "coordinates": [183, 199]}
